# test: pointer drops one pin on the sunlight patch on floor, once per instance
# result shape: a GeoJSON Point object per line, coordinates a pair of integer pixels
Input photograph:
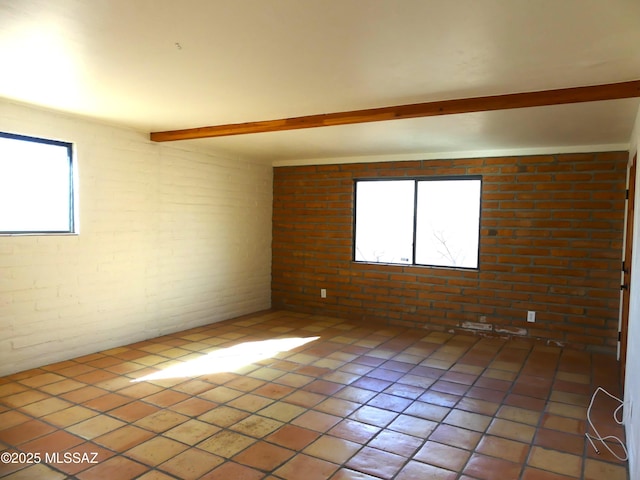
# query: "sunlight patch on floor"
{"type": "Point", "coordinates": [229, 359]}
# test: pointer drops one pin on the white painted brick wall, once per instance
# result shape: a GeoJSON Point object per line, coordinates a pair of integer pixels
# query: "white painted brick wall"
{"type": "Point", "coordinates": [169, 239]}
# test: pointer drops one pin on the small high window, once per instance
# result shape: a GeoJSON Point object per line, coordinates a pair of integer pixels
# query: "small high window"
{"type": "Point", "coordinates": [418, 221]}
{"type": "Point", "coordinates": [36, 185]}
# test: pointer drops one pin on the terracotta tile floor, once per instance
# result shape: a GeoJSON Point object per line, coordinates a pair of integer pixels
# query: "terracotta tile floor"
{"type": "Point", "coordinates": [357, 402]}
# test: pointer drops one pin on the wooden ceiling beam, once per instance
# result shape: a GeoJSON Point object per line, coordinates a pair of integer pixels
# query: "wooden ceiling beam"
{"type": "Point", "coordinates": [611, 91]}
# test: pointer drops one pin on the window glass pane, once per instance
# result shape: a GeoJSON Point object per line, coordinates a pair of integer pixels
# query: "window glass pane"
{"type": "Point", "coordinates": [448, 223]}
{"type": "Point", "coordinates": [35, 186]}
{"type": "Point", "coordinates": [384, 221]}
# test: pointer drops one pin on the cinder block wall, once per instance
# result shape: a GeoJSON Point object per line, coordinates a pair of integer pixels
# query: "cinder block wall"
{"type": "Point", "coordinates": [551, 241]}
{"type": "Point", "coordinates": [169, 238]}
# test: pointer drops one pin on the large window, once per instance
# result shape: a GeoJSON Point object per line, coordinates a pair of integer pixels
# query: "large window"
{"type": "Point", "coordinates": [419, 221]}
{"type": "Point", "coordinates": [36, 185]}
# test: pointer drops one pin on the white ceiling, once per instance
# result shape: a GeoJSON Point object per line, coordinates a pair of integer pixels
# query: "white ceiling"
{"type": "Point", "coordinates": [160, 65]}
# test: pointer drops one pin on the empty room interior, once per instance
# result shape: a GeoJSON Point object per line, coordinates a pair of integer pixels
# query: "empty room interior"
{"type": "Point", "coordinates": [345, 240]}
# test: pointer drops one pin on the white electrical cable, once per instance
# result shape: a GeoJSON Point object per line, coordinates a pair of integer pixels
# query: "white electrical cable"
{"type": "Point", "coordinates": [608, 437]}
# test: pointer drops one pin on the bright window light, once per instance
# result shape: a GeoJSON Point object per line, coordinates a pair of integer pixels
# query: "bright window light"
{"type": "Point", "coordinates": [36, 185]}
{"type": "Point", "coordinates": [384, 221]}
{"type": "Point", "coordinates": [448, 223]}
{"type": "Point", "coordinates": [229, 359]}
{"type": "Point", "coordinates": [419, 221]}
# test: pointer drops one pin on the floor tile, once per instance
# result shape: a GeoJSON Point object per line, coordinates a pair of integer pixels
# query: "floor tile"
{"type": "Point", "coordinates": [313, 468]}
{"type": "Point", "coordinates": [292, 437]}
{"type": "Point", "coordinates": [25, 432]}
{"type": "Point", "coordinates": [273, 390]}
{"type": "Point", "coordinates": [256, 426]}
{"type": "Point", "coordinates": [554, 461]}
{"type": "Point", "coordinates": [564, 442]}
{"type": "Point", "coordinates": [305, 399]}
{"type": "Point", "coordinates": [118, 467]}
{"type": "Point", "coordinates": [8, 387]}
{"type": "Point", "coordinates": [361, 402]}
{"type": "Point", "coordinates": [161, 420]}
{"type": "Point", "coordinates": [445, 456]}
{"type": "Point", "coordinates": [60, 387]}
{"type": "Point", "coordinates": [191, 464]}
{"type": "Point", "coordinates": [84, 394]}
{"type": "Point", "coordinates": [155, 451]}
{"type": "Point", "coordinates": [323, 387]}
{"type": "Point", "coordinates": [376, 462]}
{"type": "Point", "coordinates": [523, 401]}
{"type": "Point", "coordinates": [263, 456]}
{"type": "Point", "coordinates": [95, 426]}
{"type": "Point", "coordinates": [469, 420]}
{"type": "Point", "coordinates": [139, 390]}
{"type": "Point", "coordinates": [418, 427]}
{"type": "Point", "coordinates": [226, 444]}
{"type": "Point", "coordinates": [564, 424]}
{"type": "Point", "coordinates": [596, 470]}
{"type": "Point", "coordinates": [456, 436]}
{"type": "Point", "coordinates": [223, 416]}
{"type": "Point", "coordinates": [490, 468]}
{"type": "Point", "coordinates": [440, 398]}
{"type": "Point", "coordinates": [39, 471]}
{"type": "Point", "coordinates": [503, 448]}
{"type": "Point", "coordinates": [231, 470]}
{"type": "Point", "coordinates": [12, 418]}
{"type": "Point", "coordinates": [220, 394]}
{"type": "Point", "coordinates": [512, 430]}
{"type": "Point", "coordinates": [134, 411]}
{"type": "Point", "coordinates": [156, 475]}
{"type": "Point", "coordinates": [193, 387]}
{"type": "Point", "coordinates": [107, 402]}
{"type": "Point", "coordinates": [294, 380]}
{"type": "Point", "coordinates": [193, 406]}
{"type": "Point", "coordinates": [124, 438]}
{"type": "Point", "coordinates": [332, 449]}
{"type": "Point", "coordinates": [84, 456]}
{"type": "Point", "coordinates": [396, 442]}
{"type": "Point", "coordinates": [355, 394]}
{"type": "Point", "coordinates": [266, 373]}
{"type": "Point", "coordinates": [348, 474]}
{"type": "Point", "coordinates": [53, 442]}
{"type": "Point", "coordinates": [389, 402]}
{"type": "Point", "coordinates": [250, 403]}
{"type": "Point", "coordinates": [521, 415]}
{"type": "Point", "coordinates": [166, 398]}
{"type": "Point", "coordinates": [95, 377]}
{"type": "Point", "coordinates": [531, 473]}
{"type": "Point", "coordinates": [479, 406]}
{"type": "Point", "coordinates": [404, 391]}
{"type": "Point", "coordinates": [373, 416]}
{"type": "Point", "coordinates": [337, 406]}
{"type": "Point", "coordinates": [427, 411]}
{"type": "Point", "coordinates": [420, 471]}
{"type": "Point", "coordinates": [24, 398]}
{"type": "Point", "coordinates": [42, 379]}
{"type": "Point", "coordinates": [8, 468]}
{"type": "Point", "coordinates": [245, 384]}
{"type": "Point", "coordinates": [565, 410]}
{"type": "Point", "coordinates": [317, 421]}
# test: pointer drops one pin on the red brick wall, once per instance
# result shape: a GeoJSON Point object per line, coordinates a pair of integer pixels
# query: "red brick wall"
{"type": "Point", "coordinates": [551, 241]}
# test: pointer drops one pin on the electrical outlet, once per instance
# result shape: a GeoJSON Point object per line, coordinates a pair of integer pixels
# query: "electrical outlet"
{"type": "Point", "coordinates": [323, 293]}
{"type": "Point", "coordinates": [531, 316]}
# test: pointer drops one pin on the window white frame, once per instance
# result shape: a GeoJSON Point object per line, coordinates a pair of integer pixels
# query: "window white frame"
{"type": "Point", "coordinates": [426, 221]}
{"type": "Point", "coordinates": [36, 186]}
